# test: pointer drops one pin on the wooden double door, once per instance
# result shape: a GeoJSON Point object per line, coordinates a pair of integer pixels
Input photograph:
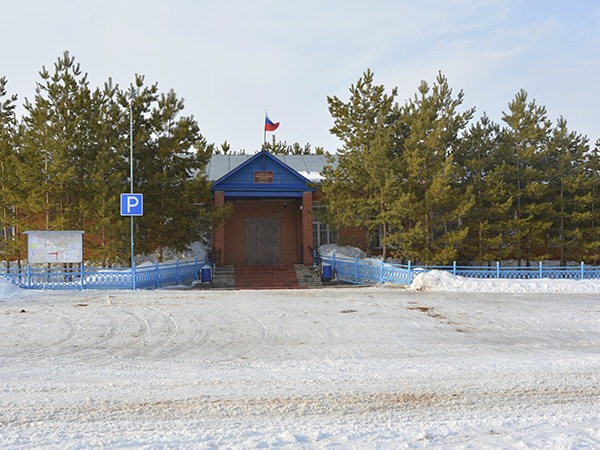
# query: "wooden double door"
{"type": "Point", "coordinates": [262, 241]}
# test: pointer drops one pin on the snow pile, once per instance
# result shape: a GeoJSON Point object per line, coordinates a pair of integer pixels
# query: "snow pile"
{"type": "Point", "coordinates": [439, 280]}
{"type": "Point", "coordinates": [342, 252]}
{"type": "Point", "coordinates": [196, 250]}
{"type": "Point", "coordinates": [9, 290]}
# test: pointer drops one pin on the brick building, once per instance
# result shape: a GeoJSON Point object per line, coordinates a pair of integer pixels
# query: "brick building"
{"type": "Point", "coordinates": [272, 198]}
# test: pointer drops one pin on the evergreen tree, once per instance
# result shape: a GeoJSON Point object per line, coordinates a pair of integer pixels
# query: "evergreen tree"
{"type": "Point", "coordinates": [569, 191]}
{"type": "Point", "coordinates": [170, 156]}
{"type": "Point", "coordinates": [361, 191]}
{"type": "Point", "coordinates": [433, 207]}
{"type": "Point", "coordinates": [591, 230]}
{"type": "Point", "coordinates": [55, 142]}
{"type": "Point", "coordinates": [524, 153]}
{"type": "Point", "coordinates": [482, 173]}
{"type": "Point", "coordinates": [105, 169]}
{"type": "Point", "coordinates": [10, 188]}
{"type": "Point", "coordinates": [282, 148]}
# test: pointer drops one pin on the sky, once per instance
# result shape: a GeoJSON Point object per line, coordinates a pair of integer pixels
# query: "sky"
{"type": "Point", "coordinates": [233, 60]}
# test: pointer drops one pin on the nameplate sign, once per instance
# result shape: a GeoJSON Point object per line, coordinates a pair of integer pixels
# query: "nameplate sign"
{"type": "Point", "coordinates": [263, 177]}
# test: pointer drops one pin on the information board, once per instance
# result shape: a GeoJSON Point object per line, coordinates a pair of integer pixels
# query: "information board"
{"type": "Point", "coordinates": [46, 247]}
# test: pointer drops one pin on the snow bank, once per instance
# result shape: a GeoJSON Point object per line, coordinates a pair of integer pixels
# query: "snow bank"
{"type": "Point", "coordinates": [196, 250]}
{"type": "Point", "coordinates": [342, 252]}
{"type": "Point", "coordinates": [439, 280]}
{"type": "Point", "coordinates": [9, 290]}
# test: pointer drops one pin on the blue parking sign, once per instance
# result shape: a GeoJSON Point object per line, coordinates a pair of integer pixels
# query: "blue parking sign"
{"type": "Point", "coordinates": [132, 204]}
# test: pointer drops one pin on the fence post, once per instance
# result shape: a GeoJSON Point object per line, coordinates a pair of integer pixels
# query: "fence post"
{"type": "Point", "coordinates": [540, 270]}
{"type": "Point", "coordinates": [381, 272]}
{"type": "Point", "coordinates": [81, 267]}
{"type": "Point", "coordinates": [334, 268]}
{"type": "Point", "coordinates": [196, 267]}
{"type": "Point", "coordinates": [28, 276]}
{"type": "Point", "coordinates": [409, 273]}
{"type": "Point", "coordinates": [177, 265]}
{"type": "Point", "coordinates": [356, 269]}
{"type": "Point", "coordinates": [157, 281]}
{"type": "Point", "coordinates": [133, 286]}
{"type": "Point", "coordinates": [453, 267]}
{"type": "Point", "coordinates": [582, 271]}
{"type": "Point", "coordinates": [498, 269]}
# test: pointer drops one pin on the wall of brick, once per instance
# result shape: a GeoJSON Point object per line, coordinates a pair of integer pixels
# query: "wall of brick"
{"type": "Point", "coordinates": [286, 210]}
{"type": "Point", "coordinates": [307, 226]}
{"type": "Point", "coordinates": [219, 233]}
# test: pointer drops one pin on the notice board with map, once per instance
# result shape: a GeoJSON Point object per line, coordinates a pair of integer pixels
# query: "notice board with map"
{"type": "Point", "coordinates": [47, 247]}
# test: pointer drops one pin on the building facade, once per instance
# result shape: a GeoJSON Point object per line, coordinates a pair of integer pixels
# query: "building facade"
{"type": "Point", "coordinates": [272, 221]}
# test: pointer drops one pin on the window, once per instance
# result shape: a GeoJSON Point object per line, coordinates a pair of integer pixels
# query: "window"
{"type": "Point", "coordinates": [322, 234]}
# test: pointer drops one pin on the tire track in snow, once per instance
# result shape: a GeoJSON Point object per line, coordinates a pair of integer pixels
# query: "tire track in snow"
{"type": "Point", "coordinates": [104, 333]}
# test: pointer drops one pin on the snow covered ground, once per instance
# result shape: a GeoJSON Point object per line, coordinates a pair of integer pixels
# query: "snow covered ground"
{"type": "Point", "coordinates": [350, 368]}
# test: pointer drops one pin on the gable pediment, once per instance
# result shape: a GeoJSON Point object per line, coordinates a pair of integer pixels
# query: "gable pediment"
{"type": "Point", "coordinates": [263, 175]}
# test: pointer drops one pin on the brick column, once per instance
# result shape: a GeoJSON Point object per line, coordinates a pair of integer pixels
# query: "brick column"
{"type": "Point", "coordinates": [219, 233]}
{"type": "Point", "coordinates": [307, 226]}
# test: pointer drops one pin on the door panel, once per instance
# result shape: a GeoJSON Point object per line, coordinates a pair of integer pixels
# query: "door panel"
{"type": "Point", "coordinates": [262, 241]}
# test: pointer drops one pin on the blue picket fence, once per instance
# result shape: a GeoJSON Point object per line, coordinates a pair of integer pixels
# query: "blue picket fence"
{"type": "Point", "coordinates": [142, 277]}
{"type": "Point", "coordinates": [367, 272]}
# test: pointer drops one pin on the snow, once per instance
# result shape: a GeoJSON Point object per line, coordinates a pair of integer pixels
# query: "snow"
{"type": "Point", "coordinates": [444, 281]}
{"type": "Point", "coordinates": [197, 250]}
{"type": "Point", "coordinates": [342, 251]}
{"type": "Point", "coordinates": [312, 176]}
{"type": "Point", "coordinates": [447, 363]}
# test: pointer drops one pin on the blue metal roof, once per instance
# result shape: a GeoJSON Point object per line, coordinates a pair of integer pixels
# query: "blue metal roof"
{"type": "Point", "coordinates": [309, 166]}
{"type": "Point", "coordinates": [241, 181]}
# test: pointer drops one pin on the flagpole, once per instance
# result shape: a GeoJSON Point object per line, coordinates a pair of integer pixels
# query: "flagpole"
{"type": "Point", "coordinates": [265, 130]}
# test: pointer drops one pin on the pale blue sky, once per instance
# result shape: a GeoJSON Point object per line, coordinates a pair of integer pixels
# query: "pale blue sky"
{"type": "Point", "coordinates": [231, 60]}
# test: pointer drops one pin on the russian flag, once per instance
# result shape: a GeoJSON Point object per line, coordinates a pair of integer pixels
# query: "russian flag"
{"type": "Point", "coordinates": [269, 125]}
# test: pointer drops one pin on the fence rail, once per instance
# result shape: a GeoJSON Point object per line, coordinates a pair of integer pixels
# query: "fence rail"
{"type": "Point", "coordinates": [142, 277]}
{"type": "Point", "coordinates": [368, 272]}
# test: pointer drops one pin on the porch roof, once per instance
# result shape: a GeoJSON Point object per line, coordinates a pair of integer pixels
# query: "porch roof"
{"type": "Point", "coordinates": [263, 175]}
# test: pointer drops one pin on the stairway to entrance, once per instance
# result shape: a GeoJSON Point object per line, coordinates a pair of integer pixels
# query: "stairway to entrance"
{"type": "Point", "coordinates": [266, 277]}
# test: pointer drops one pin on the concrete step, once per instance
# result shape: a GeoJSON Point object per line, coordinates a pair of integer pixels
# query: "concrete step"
{"type": "Point", "coordinates": [266, 277]}
{"type": "Point", "coordinates": [307, 276]}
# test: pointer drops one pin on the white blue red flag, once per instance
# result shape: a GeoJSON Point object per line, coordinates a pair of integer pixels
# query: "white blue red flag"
{"type": "Point", "coordinates": [269, 125]}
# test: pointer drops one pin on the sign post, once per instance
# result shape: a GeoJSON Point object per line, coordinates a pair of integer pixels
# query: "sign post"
{"type": "Point", "coordinates": [132, 205]}
{"type": "Point", "coordinates": [133, 202]}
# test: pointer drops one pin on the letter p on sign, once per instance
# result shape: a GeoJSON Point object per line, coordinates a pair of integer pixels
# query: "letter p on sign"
{"type": "Point", "coordinates": [132, 204]}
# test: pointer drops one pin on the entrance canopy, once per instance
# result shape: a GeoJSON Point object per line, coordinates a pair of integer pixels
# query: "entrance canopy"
{"type": "Point", "coordinates": [263, 176]}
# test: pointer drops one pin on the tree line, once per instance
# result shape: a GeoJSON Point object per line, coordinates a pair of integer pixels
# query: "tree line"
{"type": "Point", "coordinates": [430, 183]}
{"type": "Point", "coordinates": [436, 187]}
{"type": "Point", "coordinates": [65, 164]}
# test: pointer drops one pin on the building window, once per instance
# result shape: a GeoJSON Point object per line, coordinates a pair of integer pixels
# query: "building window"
{"type": "Point", "coordinates": [322, 234]}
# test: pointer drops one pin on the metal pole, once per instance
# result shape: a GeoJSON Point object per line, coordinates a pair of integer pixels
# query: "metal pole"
{"type": "Point", "coordinates": [132, 96]}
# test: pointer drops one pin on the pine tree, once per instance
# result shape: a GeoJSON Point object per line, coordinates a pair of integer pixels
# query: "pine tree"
{"type": "Point", "coordinates": [105, 169]}
{"type": "Point", "coordinates": [55, 141]}
{"type": "Point", "coordinates": [282, 148]}
{"type": "Point", "coordinates": [482, 173]}
{"type": "Point", "coordinates": [524, 153]}
{"type": "Point", "coordinates": [569, 191]}
{"type": "Point", "coordinates": [10, 188]}
{"type": "Point", "coordinates": [433, 207]}
{"type": "Point", "coordinates": [591, 229]}
{"type": "Point", "coordinates": [170, 156]}
{"type": "Point", "coordinates": [362, 189]}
